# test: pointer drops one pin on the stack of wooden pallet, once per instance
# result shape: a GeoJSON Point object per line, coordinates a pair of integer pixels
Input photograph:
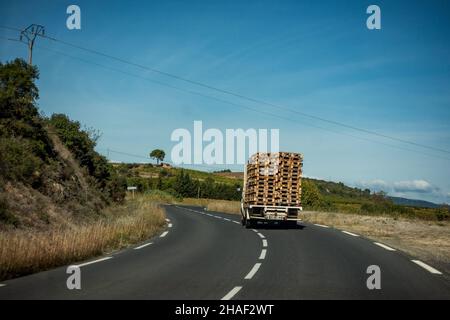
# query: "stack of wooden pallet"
{"type": "Point", "coordinates": [274, 179]}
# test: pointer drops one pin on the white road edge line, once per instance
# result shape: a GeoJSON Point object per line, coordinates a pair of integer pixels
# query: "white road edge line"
{"type": "Point", "coordinates": [169, 225]}
{"type": "Point", "coordinates": [226, 219]}
{"type": "Point", "coordinates": [167, 220]}
{"type": "Point", "coordinates": [384, 246]}
{"type": "Point", "coordinates": [253, 271]}
{"type": "Point", "coordinates": [350, 234]}
{"type": "Point", "coordinates": [143, 246]}
{"type": "Point", "coordinates": [236, 222]}
{"type": "Point", "coordinates": [232, 293]}
{"type": "Point", "coordinates": [91, 262]}
{"type": "Point", "coordinates": [264, 241]}
{"type": "Point", "coordinates": [263, 254]}
{"type": "Point", "coordinates": [260, 235]}
{"type": "Point", "coordinates": [426, 267]}
{"type": "Point", "coordinates": [2, 285]}
{"type": "Point", "coordinates": [164, 234]}
{"type": "Point", "coordinates": [321, 225]}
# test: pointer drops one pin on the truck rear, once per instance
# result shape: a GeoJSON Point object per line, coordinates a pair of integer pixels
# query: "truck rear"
{"type": "Point", "coordinates": [272, 188]}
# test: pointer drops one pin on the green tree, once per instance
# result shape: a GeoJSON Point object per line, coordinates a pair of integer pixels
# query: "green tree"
{"type": "Point", "coordinates": [184, 185]}
{"type": "Point", "coordinates": [158, 154]}
{"type": "Point", "coordinates": [311, 196]}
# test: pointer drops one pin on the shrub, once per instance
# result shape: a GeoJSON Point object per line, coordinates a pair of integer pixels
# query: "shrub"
{"type": "Point", "coordinates": [311, 196]}
{"type": "Point", "coordinates": [17, 161]}
{"type": "Point", "coordinates": [6, 216]}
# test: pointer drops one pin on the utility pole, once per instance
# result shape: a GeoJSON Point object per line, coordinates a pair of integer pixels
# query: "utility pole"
{"type": "Point", "coordinates": [30, 33]}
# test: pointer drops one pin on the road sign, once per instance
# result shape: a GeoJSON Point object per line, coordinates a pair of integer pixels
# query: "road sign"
{"type": "Point", "coordinates": [132, 188]}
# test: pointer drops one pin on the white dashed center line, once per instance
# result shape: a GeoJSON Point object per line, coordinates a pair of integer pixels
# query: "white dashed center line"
{"type": "Point", "coordinates": [253, 271]}
{"type": "Point", "coordinates": [232, 293]}
{"type": "Point", "coordinates": [321, 225]}
{"type": "Point", "coordinates": [2, 285]}
{"type": "Point", "coordinates": [262, 256]}
{"type": "Point", "coordinates": [169, 225]}
{"type": "Point", "coordinates": [384, 246]}
{"type": "Point", "coordinates": [260, 235]}
{"type": "Point", "coordinates": [264, 241]}
{"type": "Point", "coordinates": [426, 267]}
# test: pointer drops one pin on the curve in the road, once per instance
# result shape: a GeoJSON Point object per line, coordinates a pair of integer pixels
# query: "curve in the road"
{"type": "Point", "coordinates": [208, 255]}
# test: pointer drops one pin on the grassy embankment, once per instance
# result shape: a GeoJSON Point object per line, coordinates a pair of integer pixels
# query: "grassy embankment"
{"type": "Point", "coordinates": [26, 251]}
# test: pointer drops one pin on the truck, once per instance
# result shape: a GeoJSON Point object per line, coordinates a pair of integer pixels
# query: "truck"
{"type": "Point", "coordinates": [271, 190]}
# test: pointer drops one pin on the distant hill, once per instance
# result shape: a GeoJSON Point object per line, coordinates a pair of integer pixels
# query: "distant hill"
{"type": "Point", "coordinates": [413, 203]}
{"type": "Point", "coordinates": [330, 188]}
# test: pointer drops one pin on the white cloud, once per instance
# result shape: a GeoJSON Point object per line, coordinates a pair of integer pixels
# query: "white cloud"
{"type": "Point", "coordinates": [419, 186]}
{"type": "Point", "coordinates": [401, 188]}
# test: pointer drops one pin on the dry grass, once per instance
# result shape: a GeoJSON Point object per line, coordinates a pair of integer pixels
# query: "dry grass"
{"type": "Point", "coordinates": [27, 251]}
{"type": "Point", "coordinates": [226, 206]}
{"type": "Point", "coordinates": [426, 240]}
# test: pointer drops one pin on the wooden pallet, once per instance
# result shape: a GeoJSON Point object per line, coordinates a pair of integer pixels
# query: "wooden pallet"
{"type": "Point", "coordinates": [274, 179]}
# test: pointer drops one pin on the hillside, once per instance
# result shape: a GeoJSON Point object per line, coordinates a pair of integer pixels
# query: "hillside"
{"type": "Point", "coordinates": [49, 171]}
{"type": "Point", "coordinates": [413, 202]}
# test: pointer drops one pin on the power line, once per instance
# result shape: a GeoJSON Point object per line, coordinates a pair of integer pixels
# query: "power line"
{"type": "Point", "coordinates": [238, 95]}
{"type": "Point", "coordinates": [272, 115]}
{"type": "Point", "coordinates": [241, 96]}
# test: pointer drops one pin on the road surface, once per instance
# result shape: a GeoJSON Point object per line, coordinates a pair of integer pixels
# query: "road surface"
{"type": "Point", "coordinates": [209, 255]}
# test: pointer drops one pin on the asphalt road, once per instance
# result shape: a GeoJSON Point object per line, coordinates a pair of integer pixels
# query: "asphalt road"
{"type": "Point", "coordinates": [208, 255]}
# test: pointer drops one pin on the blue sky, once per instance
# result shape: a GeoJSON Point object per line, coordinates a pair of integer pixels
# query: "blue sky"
{"type": "Point", "coordinates": [312, 56]}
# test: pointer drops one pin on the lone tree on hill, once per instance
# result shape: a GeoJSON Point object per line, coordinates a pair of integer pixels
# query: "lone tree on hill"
{"type": "Point", "coordinates": [158, 154]}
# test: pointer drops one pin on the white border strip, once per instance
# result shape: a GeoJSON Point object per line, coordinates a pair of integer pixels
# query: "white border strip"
{"type": "Point", "coordinates": [92, 262]}
{"type": "Point", "coordinates": [164, 234]}
{"type": "Point", "coordinates": [384, 246]}
{"type": "Point", "coordinates": [426, 267]}
{"type": "Point", "coordinates": [351, 234]}
{"type": "Point", "coordinates": [143, 246]}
